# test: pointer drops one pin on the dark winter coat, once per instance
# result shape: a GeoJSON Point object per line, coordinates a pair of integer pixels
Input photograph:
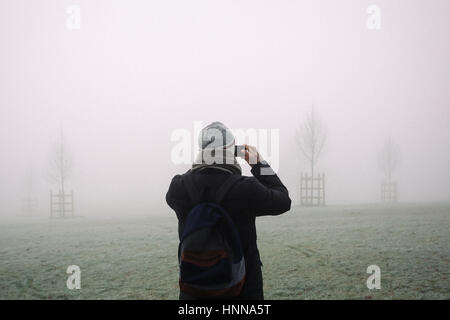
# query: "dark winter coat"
{"type": "Point", "coordinates": [249, 198]}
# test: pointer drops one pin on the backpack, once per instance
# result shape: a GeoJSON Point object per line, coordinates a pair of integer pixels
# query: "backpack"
{"type": "Point", "coordinates": [210, 253]}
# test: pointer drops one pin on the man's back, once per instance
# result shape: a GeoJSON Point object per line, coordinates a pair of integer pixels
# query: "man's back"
{"type": "Point", "coordinates": [248, 198]}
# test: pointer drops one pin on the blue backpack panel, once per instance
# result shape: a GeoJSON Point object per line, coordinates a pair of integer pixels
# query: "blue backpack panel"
{"type": "Point", "coordinates": [210, 253]}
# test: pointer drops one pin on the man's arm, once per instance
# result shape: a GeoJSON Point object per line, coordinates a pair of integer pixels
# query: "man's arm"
{"type": "Point", "coordinates": [177, 197]}
{"type": "Point", "coordinates": [268, 195]}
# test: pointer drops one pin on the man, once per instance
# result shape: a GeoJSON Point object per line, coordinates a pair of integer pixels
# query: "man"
{"type": "Point", "coordinates": [248, 198]}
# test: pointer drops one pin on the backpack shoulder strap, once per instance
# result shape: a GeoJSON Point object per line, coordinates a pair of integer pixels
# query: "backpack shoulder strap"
{"type": "Point", "coordinates": [225, 187]}
{"type": "Point", "coordinates": [192, 190]}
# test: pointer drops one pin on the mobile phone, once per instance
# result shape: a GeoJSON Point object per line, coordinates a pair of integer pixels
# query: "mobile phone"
{"type": "Point", "coordinates": [239, 151]}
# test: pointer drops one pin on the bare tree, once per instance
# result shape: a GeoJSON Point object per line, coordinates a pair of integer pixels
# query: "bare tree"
{"type": "Point", "coordinates": [389, 158]}
{"type": "Point", "coordinates": [60, 165]}
{"type": "Point", "coordinates": [311, 136]}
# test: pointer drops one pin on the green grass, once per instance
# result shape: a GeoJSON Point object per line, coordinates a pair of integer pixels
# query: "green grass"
{"type": "Point", "coordinates": [308, 253]}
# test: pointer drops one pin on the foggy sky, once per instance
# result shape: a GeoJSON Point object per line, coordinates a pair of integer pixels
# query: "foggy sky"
{"type": "Point", "coordinates": [138, 70]}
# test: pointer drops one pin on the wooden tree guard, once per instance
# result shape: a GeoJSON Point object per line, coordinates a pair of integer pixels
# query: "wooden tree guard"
{"type": "Point", "coordinates": [61, 204]}
{"type": "Point", "coordinates": [389, 191]}
{"type": "Point", "coordinates": [312, 190]}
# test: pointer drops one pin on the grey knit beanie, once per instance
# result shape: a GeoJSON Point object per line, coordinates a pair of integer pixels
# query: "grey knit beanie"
{"type": "Point", "coordinates": [216, 135]}
{"type": "Point", "coordinates": [216, 144]}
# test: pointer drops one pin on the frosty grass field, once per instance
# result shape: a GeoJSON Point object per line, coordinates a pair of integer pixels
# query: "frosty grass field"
{"type": "Point", "coordinates": [319, 253]}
